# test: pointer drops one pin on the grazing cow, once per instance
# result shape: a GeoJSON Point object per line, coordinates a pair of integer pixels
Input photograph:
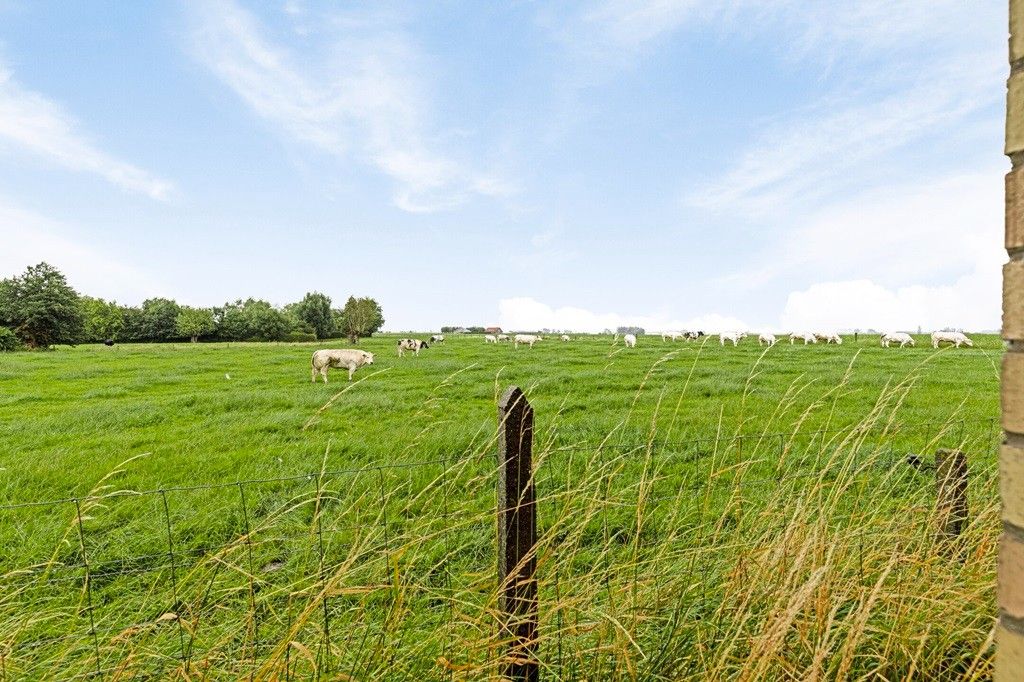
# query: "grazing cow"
{"type": "Point", "coordinates": [528, 339]}
{"type": "Point", "coordinates": [692, 336]}
{"type": "Point", "coordinates": [735, 337]}
{"type": "Point", "coordinates": [766, 338]}
{"type": "Point", "coordinates": [672, 336]}
{"type": "Point", "coordinates": [413, 345]}
{"type": "Point", "coordinates": [490, 338]}
{"type": "Point", "coordinates": [629, 340]}
{"type": "Point", "coordinates": [108, 342]}
{"type": "Point", "coordinates": [437, 338]}
{"type": "Point", "coordinates": [807, 337]}
{"type": "Point", "coordinates": [349, 358]}
{"type": "Point", "coordinates": [502, 337]}
{"type": "Point", "coordinates": [828, 337]}
{"type": "Point", "coordinates": [956, 338]}
{"type": "Point", "coordinates": [565, 337]}
{"type": "Point", "coordinates": [901, 338]}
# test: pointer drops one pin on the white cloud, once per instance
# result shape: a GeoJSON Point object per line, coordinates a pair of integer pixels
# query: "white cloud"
{"type": "Point", "coordinates": [838, 143]}
{"type": "Point", "coordinates": [970, 302]}
{"type": "Point", "coordinates": [29, 238]}
{"type": "Point", "coordinates": [365, 96]}
{"type": "Point", "coordinates": [37, 124]}
{"type": "Point", "coordinates": [937, 227]}
{"type": "Point", "coordinates": [529, 314]}
{"type": "Point", "coordinates": [822, 30]}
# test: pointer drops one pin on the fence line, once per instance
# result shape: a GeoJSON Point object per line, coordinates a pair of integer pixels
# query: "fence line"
{"type": "Point", "coordinates": [400, 528]}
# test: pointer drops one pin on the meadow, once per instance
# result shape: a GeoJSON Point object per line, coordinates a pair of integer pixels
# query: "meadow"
{"type": "Point", "coordinates": [705, 512]}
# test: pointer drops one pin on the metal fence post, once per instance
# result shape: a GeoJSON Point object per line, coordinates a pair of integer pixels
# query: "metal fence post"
{"type": "Point", "coordinates": [517, 536]}
{"type": "Point", "coordinates": [951, 492]}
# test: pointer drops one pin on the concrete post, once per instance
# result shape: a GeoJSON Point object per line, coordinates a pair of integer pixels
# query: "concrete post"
{"type": "Point", "coordinates": [1010, 631]}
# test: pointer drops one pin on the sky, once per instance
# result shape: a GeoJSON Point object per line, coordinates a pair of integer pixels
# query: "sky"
{"type": "Point", "coordinates": [741, 164]}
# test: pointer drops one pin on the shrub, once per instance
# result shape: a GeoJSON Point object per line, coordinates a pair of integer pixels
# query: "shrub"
{"type": "Point", "coordinates": [8, 340]}
{"type": "Point", "coordinates": [300, 336]}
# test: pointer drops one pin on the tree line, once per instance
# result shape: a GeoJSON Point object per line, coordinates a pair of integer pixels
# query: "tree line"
{"type": "Point", "coordinates": [39, 309]}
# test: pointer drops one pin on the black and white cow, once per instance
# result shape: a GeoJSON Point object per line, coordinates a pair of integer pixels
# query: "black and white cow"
{"type": "Point", "coordinates": [413, 345]}
{"type": "Point", "coordinates": [437, 338]}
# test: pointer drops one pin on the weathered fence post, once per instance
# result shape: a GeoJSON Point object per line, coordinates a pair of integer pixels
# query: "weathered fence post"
{"type": "Point", "coordinates": [951, 489]}
{"type": "Point", "coordinates": [517, 536]}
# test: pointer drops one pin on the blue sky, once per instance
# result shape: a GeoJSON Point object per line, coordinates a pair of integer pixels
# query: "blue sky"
{"type": "Point", "coordinates": [671, 163]}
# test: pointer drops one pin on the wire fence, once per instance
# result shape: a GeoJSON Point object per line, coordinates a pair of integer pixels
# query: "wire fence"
{"type": "Point", "coordinates": [649, 557]}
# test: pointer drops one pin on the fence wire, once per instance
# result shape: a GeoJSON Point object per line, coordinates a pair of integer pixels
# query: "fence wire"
{"type": "Point", "coordinates": [651, 557]}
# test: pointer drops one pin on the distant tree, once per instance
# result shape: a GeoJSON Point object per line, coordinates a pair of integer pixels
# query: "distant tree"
{"type": "Point", "coordinates": [159, 321]}
{"type": "Point", "coordinates": [361, 317]}
{"type": "Point", "coordinates": [251, 320]}
{"type": "Point", "coordinates": [265, 322]}
{"type": "Point", "coordinates": [102, 319]}
{"type": "Point", "coordinates": [315, 310]}
{"type": "Point", "coordinates": [194, 322]}
{"type": "Point", "coordinates": [41, 307]}
{"type": "Point", "coordinates": [131, 327]}
{"type": "Point", "coordinates": [8, 340]}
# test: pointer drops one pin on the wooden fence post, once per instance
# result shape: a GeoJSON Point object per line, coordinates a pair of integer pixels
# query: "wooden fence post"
{"type": "Point", "coordinates": [951, 492]}
{"type": "Point", "coordinates": [517, 536]}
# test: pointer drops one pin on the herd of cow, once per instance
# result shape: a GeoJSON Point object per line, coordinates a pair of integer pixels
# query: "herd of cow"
{"type": "Point", "coordinates": [352, 359]}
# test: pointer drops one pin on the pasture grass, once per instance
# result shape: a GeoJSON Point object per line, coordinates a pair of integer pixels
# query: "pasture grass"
{"type": "Point", "coordinates": [705, 512]}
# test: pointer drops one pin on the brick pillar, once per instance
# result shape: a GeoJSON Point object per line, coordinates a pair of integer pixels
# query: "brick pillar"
{"type": "Point", "coordinates": [1010, 632]}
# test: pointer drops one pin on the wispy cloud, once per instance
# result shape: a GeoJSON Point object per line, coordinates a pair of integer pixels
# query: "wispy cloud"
{"type": "Point", "coordinates": [823, 148]}
{"type": "Point", "coordinates": [362, 96]}
{"type": "Point", "coordinates": [30, 238]}
{"type": "Point", "coordinates": [39, 125]}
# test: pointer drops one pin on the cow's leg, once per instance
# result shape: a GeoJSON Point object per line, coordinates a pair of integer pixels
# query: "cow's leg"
{"type": "Point", "coordinates": [312, 374]}
{"type": "Point", "coordinates": [323, 373]}
{"type": "Point", "coordinates": [351, 371]}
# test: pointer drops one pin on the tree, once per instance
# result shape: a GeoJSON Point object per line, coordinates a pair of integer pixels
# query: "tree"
{"type": "Point", "coordinates": [265, 322]}
{"type": "Point", "coordinates": [361, 317]}
{"type": "Point", "coordinates": [194, 322]}
{"type": "Point", "coordinates": [8, 340]}
{"type": "Point", "coordinates": [315, 310]}
{"type": "Point", "coordinates": [251, 319]}
{"type": "Point", "coordinates": [159, 320]}
{"type": "Point", "coordinates": [41, 307]}
{"type": "Point", "coordinates": [103, 320]}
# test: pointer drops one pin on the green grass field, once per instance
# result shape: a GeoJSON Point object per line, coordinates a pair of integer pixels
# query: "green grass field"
{"type": "Point", "coordinates": [671, 547]}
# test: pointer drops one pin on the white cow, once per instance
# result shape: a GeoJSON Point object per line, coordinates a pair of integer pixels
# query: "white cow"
{"type": "Point", "coordinates": [502, 337]}
{"type": "Point", "coordinates": [629, 340]}
{"type": "Point", "coordinates": [414, 345]}
{"type": "Point", "coordinates": [565, 337]}
{"type": "Point", "coordinates": [349, 358]}
{"type": "Point", "coordinates": [731, 336]}
{"type": "Point", "coordinates": [672, 336]}
{"type": "Point", "coordinates": [807, 337]}
{"type": "Point", "coordinates": [901, 338]}
{"type": "Point", "coordinates": [528, 339]}
{"type": "Point", "coordinates": [956, 338]}
{"type": "Point", "coordinates": [766, 338]}
{"type": "Point", "coordinates": [490, 338]}
{"type": "Point", "coordinates": [437, 338]}
{"type": "Point", "coordinates": [828, 337]}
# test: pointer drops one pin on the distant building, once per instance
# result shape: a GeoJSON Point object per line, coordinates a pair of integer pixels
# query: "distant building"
{"type": "Point", "coordinates": [493, 330]}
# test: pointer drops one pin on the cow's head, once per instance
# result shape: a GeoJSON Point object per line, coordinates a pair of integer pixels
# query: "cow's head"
{"type": "Point", "coordinates": [369, 358]}
{"type": "Point", "coordinates": [425, 345]}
